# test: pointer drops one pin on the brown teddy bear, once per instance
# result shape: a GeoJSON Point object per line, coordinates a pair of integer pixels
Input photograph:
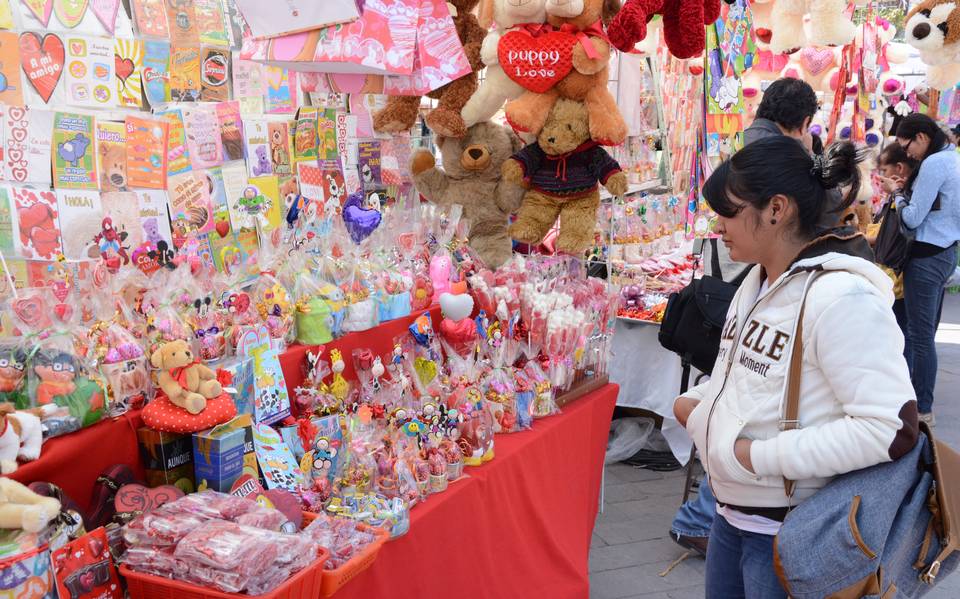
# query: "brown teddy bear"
{"type": "Point", "coordinates": [113, 168]}
{"type": "Point", "coordinates": [400, 113]}
{"type": "Point", "coordinates": [561, 171]}
{"type": "Point", "coordinates": [587, 80]}
{"type": "Point", "coordinates": [187, 383]}
{"type": "Point", "coordinates": [471, 177]}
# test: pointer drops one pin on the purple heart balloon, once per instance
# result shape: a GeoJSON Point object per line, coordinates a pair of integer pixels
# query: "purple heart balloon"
{"type": "Point", "coordinates": [360, 221]}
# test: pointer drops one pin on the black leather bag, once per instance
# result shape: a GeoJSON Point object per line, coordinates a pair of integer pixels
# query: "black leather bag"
{"type": "Point", "coordinates": [694, 318]}
{"type": "Point", "coordinates": [892, 247]}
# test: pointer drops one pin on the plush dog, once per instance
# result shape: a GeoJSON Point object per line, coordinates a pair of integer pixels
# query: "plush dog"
{"type": "Point", "coordinates": [400, 113]}
{"type": "Point", "coordinates": [187, 383]}
{"type": "Point", "coordinates": [561, 171]}
{"type": "Point", "coordinates": [21, 436]}
{"type": "Point", "coordinates": [933, 28]}
{"type": "Point", "coordinates": [471, 177]}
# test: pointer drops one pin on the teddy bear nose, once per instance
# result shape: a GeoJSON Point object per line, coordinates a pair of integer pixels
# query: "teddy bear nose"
{"type": "Point", "coordinates": [921, 30]}
{"type": "Point", "coordinates": [552, 139]}
{"type": "Point", "coordinates": [475, 153]}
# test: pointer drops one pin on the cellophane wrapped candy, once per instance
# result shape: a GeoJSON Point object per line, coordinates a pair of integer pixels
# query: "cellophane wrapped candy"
{"type": "Point", "coordinates": [342, 537]}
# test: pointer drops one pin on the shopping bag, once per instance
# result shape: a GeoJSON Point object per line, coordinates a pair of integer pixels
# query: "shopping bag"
{"type": "Point", "coordinates": [271, 19]}
{"type": "Point", "coordinates": [397, 47]}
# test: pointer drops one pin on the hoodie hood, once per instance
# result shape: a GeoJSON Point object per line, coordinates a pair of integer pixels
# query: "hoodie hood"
{"type": "Point", "coordinates": [843, 249]}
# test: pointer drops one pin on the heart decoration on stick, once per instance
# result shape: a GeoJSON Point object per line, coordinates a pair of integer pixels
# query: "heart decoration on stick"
{"type": "Point", "coordinates": [32, 312]}
{"type": "Point", "coordinates": [536, 61]}
{"type": "Point", "coordinates": [816, 60]}
{"type": "Point", "coordinates": [70, 12]}
{"type": "Point", "coordinates": [106, 12]}
{"type": "Point", "coordinates": [41, 9]}
{"type": "Point", "coordinates": [42, 61]}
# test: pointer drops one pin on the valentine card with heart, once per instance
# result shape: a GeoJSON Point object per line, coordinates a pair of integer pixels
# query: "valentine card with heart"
{"type": "Point", "coordinates": [41, 58]}
{"type": "Point", "coordinates": [84, 568]}
{"type": "Point", "coordinates": [38, 223]}
{"type": "Point", "coordinates": [128, 63]}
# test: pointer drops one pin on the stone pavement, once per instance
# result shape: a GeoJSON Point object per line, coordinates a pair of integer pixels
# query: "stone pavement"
{"type": "Point", "coordinates": [631, 545]}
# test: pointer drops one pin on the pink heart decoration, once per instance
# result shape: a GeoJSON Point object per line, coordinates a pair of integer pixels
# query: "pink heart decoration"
{"type": "Point", "coordinates": [106, 12]}
{"type": "Point", "coordinates": [816, 60]}
{"type": "Point", "coordinates": [460, 334]}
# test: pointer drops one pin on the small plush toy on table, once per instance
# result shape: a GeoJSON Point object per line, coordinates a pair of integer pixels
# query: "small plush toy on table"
{"type": "Point", "coordinates": [21, 508]}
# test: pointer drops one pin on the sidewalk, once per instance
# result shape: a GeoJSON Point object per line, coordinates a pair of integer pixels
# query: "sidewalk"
{"type": "Point", "coordinates": [631, 546]}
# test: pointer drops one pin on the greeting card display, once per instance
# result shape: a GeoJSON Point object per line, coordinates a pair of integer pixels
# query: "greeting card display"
{"type": "Point", "coordinates": [185, 73]}
{"type": "Point", "coordinates": [41, 57]}
{"type": "Point", "coordinates": [178, 156]}
{"type": "Point", "coordinates": [295, 15]}
{"type": "Point", "coordinates": [74, 163]}
{"type": "Point", "coordinates": [280, 468]}
{"type": "Point", "coordinates": [271, 402]}
{"type": "Point", "coordinates": [156, 71]}
{"type": "Point", "coordinates": [11, 88]}
{"type": "Point", "coordinates": [214, 73]}
{"type": "Point", "coordinates": [112, 155]}
{"type": "Point", "coordinates": [89, 77]}
{"type": "Point", "coordinates": [154, 217]}
{"type": "Point", "coordinates": [27, 136]}
{"type": "Point", "coordinates": [84, 568]}
{"type": "Point", "coordinates": [128, 57]}
{"type": "Point", "coordinates": [191, 211]}
{"type": "Point", "coordinates": [84, 213]}
{"type": "Point", "coordinates": [38, 226]}
{"type": "Point", "coordinates": [203, 137]}
{"type": "Point", "coordinates": [231, 130]}
{"type": "Point", "coordinates": [146, 152]}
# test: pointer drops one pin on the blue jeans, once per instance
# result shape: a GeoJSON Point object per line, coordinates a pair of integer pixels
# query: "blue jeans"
{"type": "Point", "coordinates": [923, 281]}
{"type": "Point", "coordinates": [740, 564]}
{"type": "Point", "coordinates": [695, 517]}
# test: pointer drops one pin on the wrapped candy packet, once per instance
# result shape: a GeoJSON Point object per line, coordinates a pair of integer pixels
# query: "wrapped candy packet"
{"type": "Point", "coordinates": [342, 537]}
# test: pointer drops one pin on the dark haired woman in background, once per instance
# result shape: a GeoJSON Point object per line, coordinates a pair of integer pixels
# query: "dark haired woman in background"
{"type": "Point", "coordinates": [930, 208]}
{"type": "Point", "coordinates": [858, 406]}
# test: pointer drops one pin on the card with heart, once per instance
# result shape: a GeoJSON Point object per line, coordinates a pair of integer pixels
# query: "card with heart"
{"type": "Point", "coordinates": [89, 74]}
{"type": "Point", "coordinates": [146, 152]}
{"type": "Point", "coordinates": [150, 18]}
{"type": "Point", "coordinates": [74, 162]}
{"type": "Point", "coordinates": [41, 58]}
{"type": "Point", "coordinates": [84, 568]}
{"type": "Point", "coordinates": [38, 223]}
{"type": "Point", "coordinates": [536, 62]}
{"type": "Point", "coordinates": [211, 22]}
{"type": "Point", "coordinates": [185, 73]}
{"type": "Point", "coordinates": [203, 137]}
{"type": "Point", "coordinates": [282, 91]}
{"type": "Point", "coordinates": [231, 130]}
{"type": "Point", "coordinates": [191, 211]}
{"type": "Point", "coordinates": [269, 204]}
{"type": "Point", "coordinates": [84, 213]}
{"type": "Point", "coordinates": [154, 218]}
{"type": "Point", "coordinates": [112, 155]}
{"type": "Point", "coordinates": [124, 212]}
{"type": "Point", "coordinates": [128, 63]}
{"type": "Point", "coordinates": [215, 74]}
{"type": "Point", "coordinates": [249, 85]}
{"type": "Point", "coordinates": [11, 87]}
{"type": "Point", "coordinates": [178, 154]}
{"type": "Point", "coordinates": [156, 72]}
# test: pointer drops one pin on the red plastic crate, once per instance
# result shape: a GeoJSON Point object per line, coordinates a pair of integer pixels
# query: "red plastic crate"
{"type": "Point", "coordinates": [334, 580]}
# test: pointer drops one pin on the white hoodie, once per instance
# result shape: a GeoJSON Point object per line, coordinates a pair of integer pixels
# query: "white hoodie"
{"type": "Point", "coordinates": [857, 406]}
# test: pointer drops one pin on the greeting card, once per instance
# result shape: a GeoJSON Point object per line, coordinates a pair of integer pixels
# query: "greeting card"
{"type": "Point", "coordinates": [233, 254]}
{"type": "Point", "coordinates": [156, 71]}
{"type": "Point", "coordinates": [185, 73]}
{"type": "Point", "coordinates": [106, 12]}
{"type": "Point", "coordinates": [234, 181]}
{"type": "Point", "coordinates": [280, 148]}
{"type": "Point", "coordinates": [154, 219]}
{"type": "Point", "coordinates": [128, 65]}
{"type": "Point", "coordinates": [279, 467]}
{"type": "Point", "coordinates": [146, 152]}
{"type": "Point", "coordinates": [334, 186]}
{"type": "Point", "coordinates": [258, 205]}
{"type": "Point", "coordinates": [124, 213]}
{"type": "Point", "coordinates": [237, 26]}
{"type": "Point", "coordinates": [218, 199]}
{"type": "Point", "coordinates": [214, 74]}
{"type": "Point", "coordinates": [231, 130]}
{"type": "Point", "coordinates": [84, 568]}
{"type": "Point", "coordinates": [11, 88]}
{"type": "Point", "coordinates": [112, 155]}
{"type": "Point", "coordinates": [281, 91]}
{"type": "Point", "coordinates": [327, 134]}
{"type": "Point", "coordinates": [150, 18]}
{"type": "Point", "coordinates": [6, 221]}
{"type": "Point", "coordinates": [6, 15]}
{"type": "Point", "coordinates": [248, 85]}
{"type": "Point", "coordinates": [182, 23]}
{"type": "Point", "coordinates": [89, 74]}
{"type": "Point", "coordinates": [81, 215]}
{"type": "Point", "coordinates": [41, 58]}
{"type": "Point", "coordinates": [311, 181]}
{"type": "Point", "coordinates": [178, 155]}
{"type": "Point", "coordinates": [257, 147]}
{"type": "Point", "coordinates": [271, 403]}
{"type": "Point", "coordinates": [191, 211]}
{"type": "Point", "coordinates": [27, 135]}
{"type": "Point", "coordinates": [74, 165]}
{"type": "Point", "coordinates": [369, 163]}
{"type": "Point", "coordinates": [203, 137]}
{"type": "Point", "coordinates": [211, 23]}
{"type": "Point", "coordinates": [38, 226]}
{"type": "Point", "coordinates": [305, 141]}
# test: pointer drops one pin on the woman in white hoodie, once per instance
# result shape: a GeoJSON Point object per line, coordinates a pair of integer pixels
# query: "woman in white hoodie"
{"type": "Point", "coordinates": [857, 406]}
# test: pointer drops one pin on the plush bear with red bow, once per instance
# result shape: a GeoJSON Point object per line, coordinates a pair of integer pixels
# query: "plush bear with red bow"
{"type": "Point", "coordinates": [683, 22]}
{"type": "Point", "coordinates": [187, 383]}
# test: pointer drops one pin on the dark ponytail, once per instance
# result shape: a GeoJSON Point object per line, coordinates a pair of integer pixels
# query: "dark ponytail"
{"type": "Point", "coordinates": [780, 165]}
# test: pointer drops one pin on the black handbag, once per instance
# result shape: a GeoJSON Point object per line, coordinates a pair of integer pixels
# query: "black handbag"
{"type": "Point", "coordinates": [892, 247]}
{"type": "Point", "coordinates": [694, 318]}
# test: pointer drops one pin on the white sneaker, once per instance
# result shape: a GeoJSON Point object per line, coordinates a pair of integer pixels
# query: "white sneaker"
{"type": "Point", "coordinates": [929, 419]}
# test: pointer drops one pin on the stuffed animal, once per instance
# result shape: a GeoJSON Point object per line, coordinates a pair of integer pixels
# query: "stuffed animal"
{"type": "Point", "coordinates": [187, 383]}
{"type": "Point", "coordinates": [933, 28]}
{"type": "Point", "coordinates": [21, 508]}
{"type": "Point", "coordinates": [829, 26]}
{"type": "Point", "coordinates": [683, 22]}
{"type": "Point", "coordinates": [497, 88]}
{"type": "Point", "coordinates": [471, 177]}
{"type": "Point", "coordinates": [587, 80]}
{"type": "Point", "coordinates": [400, 113]}
{"type": "Point", "coordinates": [21, 436]}
{"type": "Point", "coordinates": [561, 171]}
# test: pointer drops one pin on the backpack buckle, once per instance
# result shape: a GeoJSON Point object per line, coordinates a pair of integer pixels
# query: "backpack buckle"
{"type": "Point", "coordinates": [784, 422]}
{"type": "Point", "coordinates": [931, 574]}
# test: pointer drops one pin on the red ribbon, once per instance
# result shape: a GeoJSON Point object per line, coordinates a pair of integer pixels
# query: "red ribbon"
{"type": "Point", "coordinates": [180, 374]}
{"type": "Point", "coordinates": [582, 35]}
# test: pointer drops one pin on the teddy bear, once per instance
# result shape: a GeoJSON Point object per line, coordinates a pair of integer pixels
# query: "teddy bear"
{"type": "Point", "coordinates": [400, 112]}
{"type": "Point", "coordinates": [21, 508]}
{"type": "Point", "coordinates": [187, 383]}
{"type": "Point", "coordinates": [497, 87]}
{"type": "Point", "coordinates": [829, 26]}
{"type": "Point", "coordinates": [587, 80]}
{"type": "Point", "coordinates": [21, 436]}
{"type": "Point", "coordinates": [471, 177]}
{"type": "Point", "coordinates": [683, 22]}
{"type": "Point", "coordinates": [113, 167]}
{"type": "Point", "coordinates": [561, 171]}
{"type": "Point", "coordinates": [263, 165]}
{"type": "Point", "coordinates": [933, 28]}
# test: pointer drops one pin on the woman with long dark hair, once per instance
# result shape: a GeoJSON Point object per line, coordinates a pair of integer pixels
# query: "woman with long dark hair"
{"type": "Point", "coordinates": [857, 406]}
{"type": "Point", "coordinates": [930, 210]}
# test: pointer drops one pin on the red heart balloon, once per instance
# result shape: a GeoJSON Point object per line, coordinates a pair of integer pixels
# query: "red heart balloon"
{"type": "Point", "coordinates": [536, 62]}
{"type": "Point", "coordinates": [763, 34]}
{"type": "Point", "coordinates": [42, 61]}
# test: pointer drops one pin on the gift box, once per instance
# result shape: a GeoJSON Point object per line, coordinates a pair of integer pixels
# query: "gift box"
{"type": "Point", "coordinates": [396, 47]}
{"type": "Point", "coordinates": [167, 458]}
{"type": "Point", "coordinates": [222, 454]}
{"type": "Point", "coordinates": [241, 369]}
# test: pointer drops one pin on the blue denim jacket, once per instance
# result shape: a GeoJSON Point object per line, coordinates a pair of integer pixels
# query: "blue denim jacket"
{"type": "Point", "coordinates": [939, 176]}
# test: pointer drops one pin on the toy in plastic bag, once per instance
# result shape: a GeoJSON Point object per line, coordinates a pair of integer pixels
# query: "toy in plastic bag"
{"type": "Point", "coordinates": [314, 318]}
{"type": "Point", "coordinates": [13, 373]}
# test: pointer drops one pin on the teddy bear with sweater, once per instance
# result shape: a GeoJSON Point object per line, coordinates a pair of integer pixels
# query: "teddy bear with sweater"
{"type": "Point", "coordinates": [561, 173]}
{"type": "Point", "coordinates": [186, 382]}
{"type": "Point", "coordinates": [933, 28]}
{"type": "Point", "coordinates": [400, 112]}
{"type": "Point", "coordinates": [470, 177]}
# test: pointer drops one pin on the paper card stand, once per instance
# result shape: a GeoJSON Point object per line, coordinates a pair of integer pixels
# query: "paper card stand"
{"type": "Point", "coordinates": [271, 402]}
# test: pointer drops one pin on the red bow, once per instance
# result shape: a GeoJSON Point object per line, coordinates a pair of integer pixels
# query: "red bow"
{"type": "Point", "coordinates": [179, 374]}
{"type": "Point", "coordinates": [583, 35]}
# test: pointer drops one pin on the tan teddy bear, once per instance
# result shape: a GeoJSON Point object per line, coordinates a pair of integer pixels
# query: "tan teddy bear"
{"type": "Point", "coordinates": [187, 383]}
{"type": "Point", "coordinates": [561, 172]}
{"type": "Point", "coordinates": [22, 508]}
{"type": "Point", "coordinates": [471, 177]}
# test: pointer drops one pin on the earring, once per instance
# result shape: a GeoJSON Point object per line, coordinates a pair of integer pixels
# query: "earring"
{"type": "Point", "coordinates": [773, 221]}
